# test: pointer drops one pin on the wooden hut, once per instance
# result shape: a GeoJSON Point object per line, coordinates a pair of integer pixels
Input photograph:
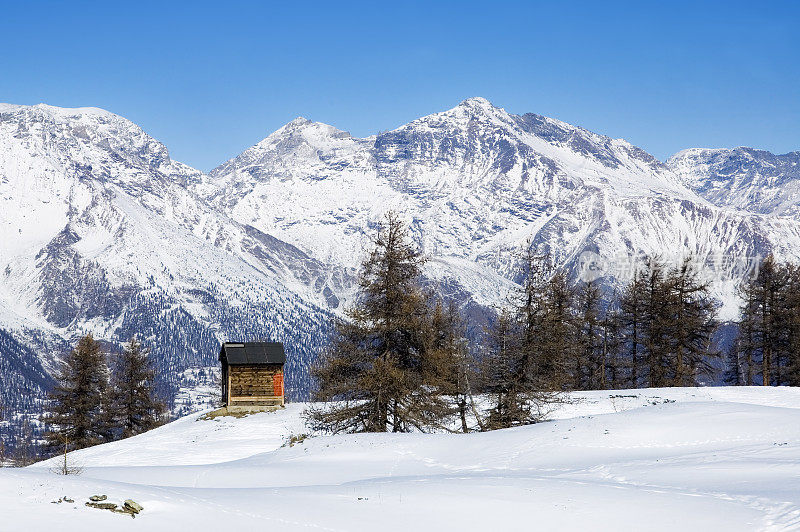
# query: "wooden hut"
{"type": "Point", "coordinates": [252, 374]}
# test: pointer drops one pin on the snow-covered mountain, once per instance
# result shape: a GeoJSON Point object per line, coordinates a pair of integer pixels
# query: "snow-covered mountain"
{"type": "Point", "coordinates": [101, 231]}
{"type": "Point", "coordinates": [476, 183]}
{"type": "Point", "coordinates": [743, 178]}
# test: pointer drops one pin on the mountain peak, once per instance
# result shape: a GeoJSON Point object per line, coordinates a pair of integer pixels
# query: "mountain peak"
{"type": "Point", "coordinates": [476, 101]}
{"type": "Point", "coordinates": [300, 121]}
{"type": "Point", "coordinates": [60, 112]}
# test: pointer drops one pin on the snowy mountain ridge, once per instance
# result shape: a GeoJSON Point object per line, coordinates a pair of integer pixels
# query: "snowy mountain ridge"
{"type": "Point", "coordinates": [101, 231]}
{"type": "Point", "coordinates": [476, 183]}
{"type": "Point", "coordinates": [743, 178]}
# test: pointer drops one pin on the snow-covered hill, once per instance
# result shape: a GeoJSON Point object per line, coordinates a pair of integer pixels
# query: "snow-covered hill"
{"type": "Point", "coordinates": [656, 459]}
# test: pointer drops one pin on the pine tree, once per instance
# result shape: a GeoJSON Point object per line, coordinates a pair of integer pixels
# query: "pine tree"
{"type": "Point", "coordinates": [656, 323]}
{"type": "Point", "coordinates": [503, 374]}
{"type": "Point", "coordinates": [746, 346]}
{"type": "Point", "coordinates": [691, 322]}
{"type": "Point", "coordinates": [2, 435]}
{"type": "Point", "coordinates": [558, 333]}
{"type": "Point", "coordinates": [534, 368]}
{"type": "Point", "coordinates": [768, 288]}
{"type": "Point", "coordinates": [793, 326]}
{"type": "Point", "coordinates": [631, 322]}
{"type": "Point", "coordinates": [615, 376]}
{"type": "Point", "coordinates": [589, 369]}
{"type": "Point", "coordinates": [378, 367]}
{"type": "Point", "coordinates": [77, 404]}
{"type": "Point", "coordinates": [134, 406]}
{"type": "Point", "coordinates": [447, 350]}
{"type": "Point", "coordinates": [733, 375]}
{"type": "Point", "coordinates": [25, 449]}
{"type": "Point", "coordinates": [765, 322]}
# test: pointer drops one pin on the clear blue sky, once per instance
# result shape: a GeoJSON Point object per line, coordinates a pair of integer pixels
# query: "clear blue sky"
{"type": "Point", "coordinates": [211, 79]}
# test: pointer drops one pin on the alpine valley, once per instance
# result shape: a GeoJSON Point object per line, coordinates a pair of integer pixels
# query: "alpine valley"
{"type": "Point", "coordinates": [102, 232]}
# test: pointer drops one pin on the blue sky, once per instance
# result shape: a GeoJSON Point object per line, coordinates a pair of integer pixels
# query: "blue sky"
{"type": "Point", "coordinates": [211, 79]}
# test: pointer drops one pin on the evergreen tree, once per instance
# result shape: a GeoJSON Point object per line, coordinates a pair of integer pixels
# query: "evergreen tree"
{"type": "Point", "coordinates": [2, 435]}
{"type": "Point", "coordinates": [77, 404]}
{"type": "Point", "coordinates": [589, 370]}
{"type": "Point", "coordinates": [733, 375]}
{"type": "Point", "coordinates": [25, 449]}
{"type": "Point", "coordinates": [631, 319]}
{"type": "Point", "coordinates": [535, 368]}
{"type": "Point", "coordinates": [690, 323]}
{"type": "Point", "coordinates": [447, 350]}
{"type": "Point", "coordinates": [504, 376]}
{"type": "Point", "coordinates": [615, 376]}
{"type": "Point", "coordinates": [769, 324]}
{"type": "Point", "coordinates": [763, 321]}
{"type": "Point", "coordinates": [378, 367]}
{"type": "Point", "coordinates": [746, 346]}
{"type": "Point", "coordinates": [656, 323]}
{"type": "Point", "coordinates": [557, 344]}
{"type": "Point", "coordinates": [134, 406]}
{"type": "Point", "coordinates": [792, 324]}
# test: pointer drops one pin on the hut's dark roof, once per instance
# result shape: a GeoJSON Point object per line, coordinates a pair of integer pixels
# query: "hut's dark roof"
{"type": "Point", "coordinates": [236, 353]}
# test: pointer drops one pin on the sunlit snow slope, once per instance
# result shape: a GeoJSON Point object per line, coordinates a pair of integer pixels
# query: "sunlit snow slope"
{"type": "Point", "coordinates": [657, 459]}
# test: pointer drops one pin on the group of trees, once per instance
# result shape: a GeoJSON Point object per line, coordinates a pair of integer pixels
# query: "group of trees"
{"type": "Point", "coordinates": [767, 349]}
{"type": "Point", "coordinates": [92, 404]}
{"type": "Point", "coordinates": [556, 336]}
{"type": "Point", "coordinates": [401, 361]}
{"type": "Point", "coordinates": [23, 451]}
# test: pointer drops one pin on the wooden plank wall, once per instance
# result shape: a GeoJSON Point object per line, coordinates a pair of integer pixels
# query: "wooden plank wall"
{"type": "Point", "coordinates": [253, 381]}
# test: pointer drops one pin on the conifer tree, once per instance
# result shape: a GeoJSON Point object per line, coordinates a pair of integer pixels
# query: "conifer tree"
{"type": "Point", "coordinates": [503, 374]}
{"type": "Point", "coordinates": [25, 450]}
{"type": "Point", "coordinates": [656, 325]}
{"type": "Point", "coordinates": [792, 324]}
{"type": "Point", "coordinates": [614, 373]}
{"type": "Point", "coordinates": [589, 370]}
{"type": "Point", "coordinates": [733, 375]}
{"type": "Point", "coordinates": [763, 320]}
{"type": "Point", "coordinates": [447, 350]}
{"type": "Point", "coordinates": [378, 367]}
{"type": "Point", "coordinates": [134, 405]}
{"type": "Point", "coordinates": [769, 325]}
{"type": "Point", "coordinates": [2, 435]}
{"type": "Point", "coordinates": [690, 323]}
{"type": "Point", "coordinates": [746, 346]}
{"type": "Point", "coordinates": [557, 344]}
{"type": "Point", "coordinates": [77, 404]}
{"type": "Point", "coordinates": [631, 322]}
{"type": "Point", "coordinates": [535, 369]}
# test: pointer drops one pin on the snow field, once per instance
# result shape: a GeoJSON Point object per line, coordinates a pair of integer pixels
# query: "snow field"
{"type": "Point", "coordinates": [658, 459]}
